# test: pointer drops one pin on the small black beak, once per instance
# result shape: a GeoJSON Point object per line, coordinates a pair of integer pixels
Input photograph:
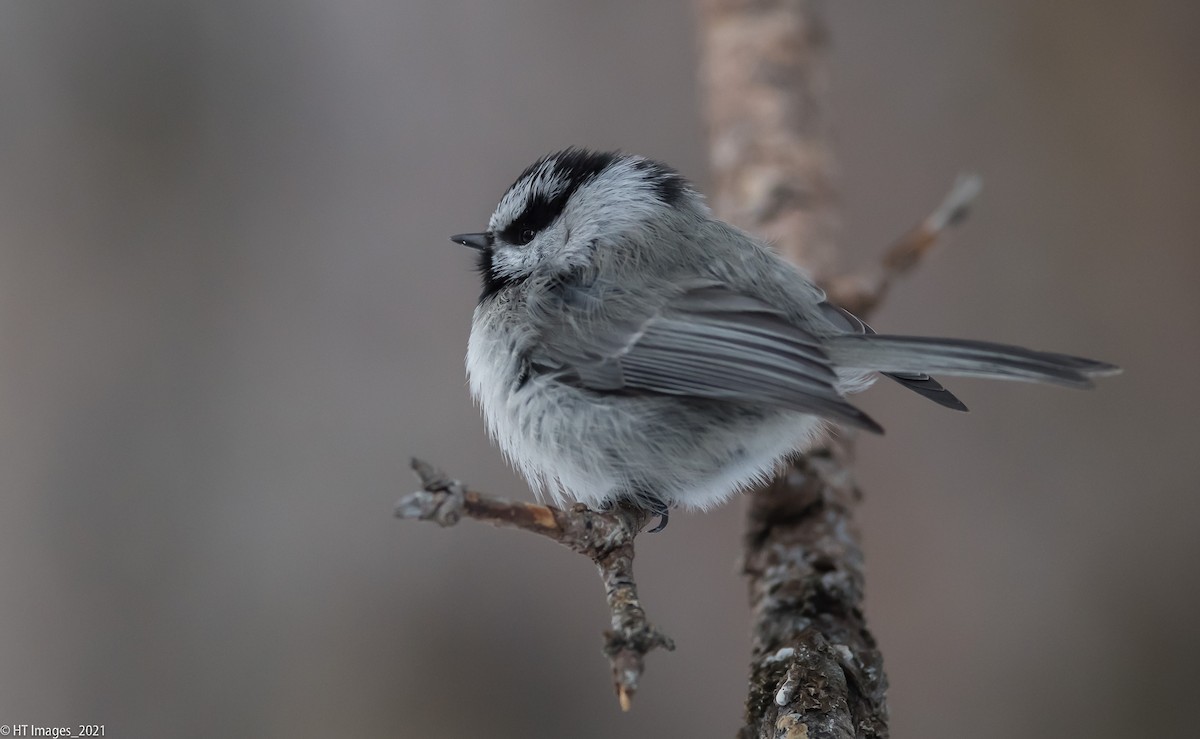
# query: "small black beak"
{"type": "Point", "coordinates": [475, 241]}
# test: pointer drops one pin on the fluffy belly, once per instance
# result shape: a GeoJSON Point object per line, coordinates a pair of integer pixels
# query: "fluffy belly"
{"type": "Point", "coordinates": [572, 444]}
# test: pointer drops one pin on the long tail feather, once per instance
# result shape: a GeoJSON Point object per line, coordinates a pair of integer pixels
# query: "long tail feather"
{"type": "Point", "coordinates": [964, 357]}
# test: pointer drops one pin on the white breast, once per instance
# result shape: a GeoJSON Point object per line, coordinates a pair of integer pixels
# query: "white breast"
{"type": "Point", "coordinates": [494, 373]}
{"type": "Point", "coordinates": [561, 438]}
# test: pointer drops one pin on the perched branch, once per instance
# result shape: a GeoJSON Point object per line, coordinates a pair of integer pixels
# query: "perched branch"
{"type": "Point", "coordinates": [815, 670]}
{"type": "Point", "coordinates": [861, 293]}
{"type": "Point", "coordinates": [604, 538]}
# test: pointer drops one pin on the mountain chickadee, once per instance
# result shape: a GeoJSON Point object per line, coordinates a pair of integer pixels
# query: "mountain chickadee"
{"type": "Point", "coordinates": [630, 347]}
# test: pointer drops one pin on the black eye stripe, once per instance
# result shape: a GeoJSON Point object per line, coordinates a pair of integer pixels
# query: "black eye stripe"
{"type": "Point", "coordinates": [553, 185]}
{"type": "Point", "coordinates": [539, 213]}
{"type": "Point", "coordinates": [573, 167]}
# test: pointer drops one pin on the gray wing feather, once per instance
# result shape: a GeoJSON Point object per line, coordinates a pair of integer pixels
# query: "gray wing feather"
{"type": "Point", "coordinates": [713, 343]}
{"type": "Point", "coordinates": [918, 382]}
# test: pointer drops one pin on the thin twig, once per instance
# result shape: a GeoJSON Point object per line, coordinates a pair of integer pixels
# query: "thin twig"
{"type": "Point", "coordinates": [860, 293]}
{"type": "Point", "coordinates": [606, 538]}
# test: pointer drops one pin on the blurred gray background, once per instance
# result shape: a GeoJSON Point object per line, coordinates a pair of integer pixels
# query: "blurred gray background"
{"type": "Point", "coordinates": [229, 313]}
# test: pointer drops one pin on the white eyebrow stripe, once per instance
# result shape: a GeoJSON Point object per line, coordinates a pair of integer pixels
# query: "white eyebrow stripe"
{"type": "Point", "coordinates": [545, 181]}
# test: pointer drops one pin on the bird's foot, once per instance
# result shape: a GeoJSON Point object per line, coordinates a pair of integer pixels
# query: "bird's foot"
{"type": "Point", "coordinates": [653, 506]}
{"type": "Point", "coordinates": [663, 511]}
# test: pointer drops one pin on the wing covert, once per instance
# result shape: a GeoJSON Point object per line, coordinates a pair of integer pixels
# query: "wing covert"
{"type": "Point", "coordinates": [714, 343]}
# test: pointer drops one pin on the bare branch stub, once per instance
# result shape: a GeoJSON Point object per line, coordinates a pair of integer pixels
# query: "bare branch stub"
{"type": "Point", "coordinates": [862, 292]}
{"type": "Point", "coordinates": [606, 538]}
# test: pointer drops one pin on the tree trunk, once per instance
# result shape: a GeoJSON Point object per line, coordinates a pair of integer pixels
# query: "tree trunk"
{"type": "Point", "coordinates": [815, 670]}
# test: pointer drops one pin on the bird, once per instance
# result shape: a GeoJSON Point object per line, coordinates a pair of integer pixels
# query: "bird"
{"type": "Point", "coordinates": [630, 348]}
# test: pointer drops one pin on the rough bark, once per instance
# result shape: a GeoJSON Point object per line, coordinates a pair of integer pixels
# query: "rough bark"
{"type": "Point", "coordinates": [604, 538]}
{"type": "Point", "coordinates": [764, 75]}
{"type": "Point", "coordinates": [815, 669]}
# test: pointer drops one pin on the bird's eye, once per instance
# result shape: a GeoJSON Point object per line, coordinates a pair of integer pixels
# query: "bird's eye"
{"type": "Point", "coordinates": [526, 236]}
